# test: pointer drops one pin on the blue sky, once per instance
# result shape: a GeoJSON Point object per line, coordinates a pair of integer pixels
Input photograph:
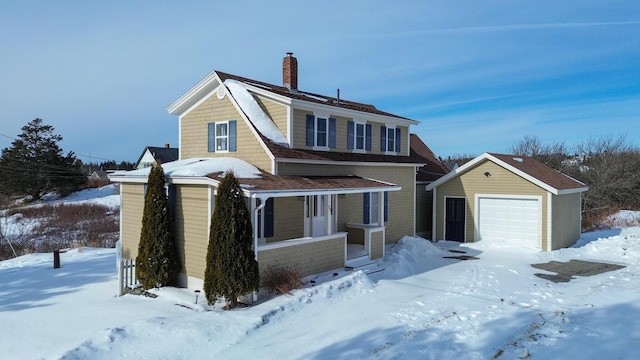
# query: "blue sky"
{"type": "Point", "coordinates": [478, 75]}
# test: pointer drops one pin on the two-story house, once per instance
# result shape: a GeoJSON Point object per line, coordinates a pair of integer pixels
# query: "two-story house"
{"type": "Point", "coordinates": [328, 181]}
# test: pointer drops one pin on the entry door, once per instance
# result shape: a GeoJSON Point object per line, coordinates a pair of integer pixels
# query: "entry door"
{"type": "Point", "coordinates": [455, 219]}
{"type": "Point", "coordinates": [314, 217]}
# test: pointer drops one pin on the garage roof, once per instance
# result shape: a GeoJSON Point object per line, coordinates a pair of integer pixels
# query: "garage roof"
{"type": "Point", "coordinates": [528, 168]}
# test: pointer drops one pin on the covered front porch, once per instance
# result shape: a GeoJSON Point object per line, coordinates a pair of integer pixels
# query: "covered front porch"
{"type": "Point", "coordinates": [316, 224]}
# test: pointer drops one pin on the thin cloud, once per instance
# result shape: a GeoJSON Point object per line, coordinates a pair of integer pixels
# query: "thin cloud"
{"type": "Point", "coordinates": [509, 28]}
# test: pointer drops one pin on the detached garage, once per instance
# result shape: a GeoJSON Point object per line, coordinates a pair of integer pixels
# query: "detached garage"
{"type": "Point", "coordinates": [497, 197]}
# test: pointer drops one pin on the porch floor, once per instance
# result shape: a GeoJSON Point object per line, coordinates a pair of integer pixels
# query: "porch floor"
{"type": "Point", "coordinates": [355, 251]}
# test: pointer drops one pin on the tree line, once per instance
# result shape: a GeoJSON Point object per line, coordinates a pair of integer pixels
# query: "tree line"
{"type": "Point", "coordinates": [608, 165]}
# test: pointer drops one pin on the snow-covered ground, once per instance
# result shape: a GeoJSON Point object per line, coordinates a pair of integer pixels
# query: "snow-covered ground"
{"type": "Point", "coordinates": [422, 306]}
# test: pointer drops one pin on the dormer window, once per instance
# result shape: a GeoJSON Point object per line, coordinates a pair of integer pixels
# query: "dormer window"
{"type": "Point", "coordinates": [321, 132]}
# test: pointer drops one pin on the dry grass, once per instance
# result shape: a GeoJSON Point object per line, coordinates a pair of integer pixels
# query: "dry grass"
{"type": "Point", "coordinates": [59, 226]}
{"type": "Point", "coordinates": [280, 280]}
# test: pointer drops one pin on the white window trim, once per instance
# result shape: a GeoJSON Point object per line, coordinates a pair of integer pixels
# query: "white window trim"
{"type": "Point", "coordinates": [215, 140]}
{"type": "Point", "coordinates": [315, 131]}
{"type": "Point", "coordinates": [386, 145]}
{"type": "Point", "coordinates": [355, 136]}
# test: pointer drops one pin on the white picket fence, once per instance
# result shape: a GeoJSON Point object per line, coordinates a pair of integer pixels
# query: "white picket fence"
{"type": "Point", "coordinates": [126, 275]}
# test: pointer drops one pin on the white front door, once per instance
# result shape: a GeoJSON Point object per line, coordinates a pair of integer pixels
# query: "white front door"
{"type": "Point", "coordinates": [314, 215]}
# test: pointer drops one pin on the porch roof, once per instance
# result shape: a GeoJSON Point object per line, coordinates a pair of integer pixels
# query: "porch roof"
{"type": "Point", "coordinates": [268, 185]}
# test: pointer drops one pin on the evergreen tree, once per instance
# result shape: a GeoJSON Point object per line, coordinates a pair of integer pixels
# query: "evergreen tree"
{"type": "Point", "coordinates": [34, 164]}
{"type": "Point", "coordinates": [157, 262]}
{"type": "Point", "coordinates": [231, 266]}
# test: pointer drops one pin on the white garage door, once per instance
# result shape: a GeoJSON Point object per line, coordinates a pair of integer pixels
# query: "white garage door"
{"type": "Point", "coordinates": [510, 219]}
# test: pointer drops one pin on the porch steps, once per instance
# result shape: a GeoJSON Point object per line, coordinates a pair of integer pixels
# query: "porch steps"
{"type": "Point", "coordinates": [364, 264]}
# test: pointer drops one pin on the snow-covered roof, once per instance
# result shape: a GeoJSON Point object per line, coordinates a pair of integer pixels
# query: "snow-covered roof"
{"type": "Point", "coordinates": [254, 112]}
{"type": "Point", "coordinates": [198, 167]}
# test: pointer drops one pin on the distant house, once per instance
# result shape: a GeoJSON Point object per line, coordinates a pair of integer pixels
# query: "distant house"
{"type": "Point", "coordinates": [152, 154]}
{"type": "Point", "coordinates": [498, 197]}
{"type": "Point", "coordinates": [329, 182]}
{"type": "Point", "coordinates": [98, 175]}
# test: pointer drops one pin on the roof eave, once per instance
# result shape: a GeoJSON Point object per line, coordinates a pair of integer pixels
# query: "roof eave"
{"type": "Point", "coordinates": [193, 95]}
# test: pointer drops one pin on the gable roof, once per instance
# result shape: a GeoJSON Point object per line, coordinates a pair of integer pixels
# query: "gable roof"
{"type": "Point", "coordinates": [433, 168]}
{"type": "Point", "coordinates": [527, 168]}
{"type": "Point", "coordinates": [162, 154]}
{"type": "Point", "coordinates": [216, 78]}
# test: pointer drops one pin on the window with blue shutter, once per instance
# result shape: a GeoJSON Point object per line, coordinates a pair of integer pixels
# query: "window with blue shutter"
{"type": "Point", "coordinates": [398, 140]}
{"type": "Point", "coordinates": [386, 206]}
{"type": "Point", "coordinates": [310, 130]}
{"type": "Point", "coordinates": [268, 218]}
{"type": "Point", "coordinates": [332, 132]}
{"type": "Point", "coordinates": [211, 137]}
{"type": "Point", "coordinates": [383, 138]}
{"type": "Point", "coordinates": [367, 208]}
{"type": "Point", "coordinates": [350, 135]}
{"type": "Point", "coordinates": [367, 145]}
{"type": "Point", "coordinates": [232, 135]}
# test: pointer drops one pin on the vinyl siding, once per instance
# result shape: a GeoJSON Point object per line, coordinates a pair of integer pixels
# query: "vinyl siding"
{"type": "Point", "coordinates": [309, 258]}
{"type": "Point", "coordinates": [193, 136]}
{"type": "Point", "coordinates": [501, 182]}
{"type": "Point", "coordinates": [192, 228]}
{"type": "Point", "coordinates": [300, 133]}
{"type": "Point", "coordinates": [377, 244]}
{"type": "Point", "coordinates": [566, 219]}
{"type": "Point", "coordinates": [277, 113]}
{"type": "Point", "coordinates": [401, 203]}
{"type": "Point", "coordinates": [131, 209]}
{"type": "Point", "coordinates": [288, 219]}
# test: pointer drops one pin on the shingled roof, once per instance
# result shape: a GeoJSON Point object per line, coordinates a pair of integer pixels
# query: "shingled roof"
{"type": "Point", "coordinates": [540, 171]}
{"type": "Point", "coordinates": [307, 96]}
{"type": "Point", "coordinates": [528, 168]}
{"type": "Point", "coordinates": [433, 168]}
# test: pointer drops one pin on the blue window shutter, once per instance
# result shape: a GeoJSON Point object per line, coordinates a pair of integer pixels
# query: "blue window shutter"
{"type": "Point", "coordinates": [386, 206]}
{"type": "Point", "coordinates": [367, 143]}
{"type": "Point", "coordinates": [398, 140]}
{"type": "Point", "coordinates": [332, 132]}
{"type": "Point", "coordinates": [232, 135]}
{"type": "Point", "coordinates": [211, 137]}
{"type": "Point", "coordinates": [268, 218]}
{"type": "Point", "coordinates": [310, 130]}
{"type": "Point", "coordinates": [350, 130]}
{"type": "Point", "coordinates": [366, 207]}
{"type": "Point", "coordinates": [383, 138]}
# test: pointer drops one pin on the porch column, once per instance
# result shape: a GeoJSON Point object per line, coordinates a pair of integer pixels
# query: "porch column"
{"type": "Point", "coordinates": [381, 208]}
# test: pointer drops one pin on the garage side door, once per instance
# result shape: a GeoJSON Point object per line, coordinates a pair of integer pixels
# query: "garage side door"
{"type": "Point", "coordinates": [509, 219]}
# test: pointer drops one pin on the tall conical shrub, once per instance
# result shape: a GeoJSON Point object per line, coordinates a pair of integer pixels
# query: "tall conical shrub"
{"type": "Point", "coordinates": [157, 261]}
{"type": "Point", "coordinates": [231, 266]}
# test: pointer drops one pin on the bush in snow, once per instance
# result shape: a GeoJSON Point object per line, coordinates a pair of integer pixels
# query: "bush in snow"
{"type": "Point", "coordinates": [282, 280]}
{"type": "Point", "coordinates": [157, 261]}
{"type": "Point", "coordinates": [231, 266]}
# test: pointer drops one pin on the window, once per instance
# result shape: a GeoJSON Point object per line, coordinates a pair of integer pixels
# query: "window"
{"type": "Point", "coordinates": [390, 139]}
{"type": "Point", "coordinates": [321, 131]}
{"type": "Point", "coordinates": [222, 136]}
{"type": "Point", "coordinates": [372, 206]}
{"type": "Point", "coordinates": [358, 136]}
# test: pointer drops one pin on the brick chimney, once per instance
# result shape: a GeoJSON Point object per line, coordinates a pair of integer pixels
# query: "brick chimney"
{"type": "Point", "coordinates": [290, 72]}
{"type": "Point", "coordinates": [166, 146]}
